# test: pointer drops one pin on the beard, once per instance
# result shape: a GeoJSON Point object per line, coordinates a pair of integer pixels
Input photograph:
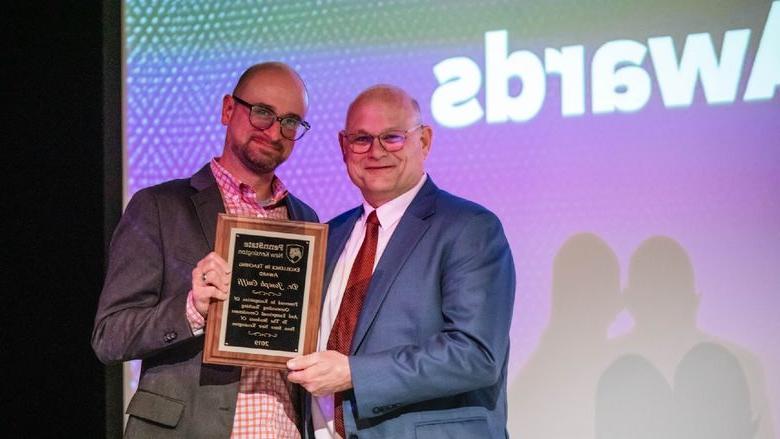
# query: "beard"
{"type": "Point", "coordinates": [261, 160]}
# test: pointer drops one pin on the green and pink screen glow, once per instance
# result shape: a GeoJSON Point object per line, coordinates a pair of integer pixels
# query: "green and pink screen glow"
{"type": "Point", "coordinates": [631, 150]}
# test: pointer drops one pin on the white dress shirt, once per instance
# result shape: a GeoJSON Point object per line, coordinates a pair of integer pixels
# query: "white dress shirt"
{"type": "Point", "coordinates": [389, 214]}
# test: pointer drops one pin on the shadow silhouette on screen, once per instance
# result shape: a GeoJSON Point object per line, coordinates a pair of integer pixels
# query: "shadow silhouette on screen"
{"type": "Point", "coordinates": [665, 378]}
{"type": "Point", "coordinates": [709, 400]}
{"type": "Point", "coordinates": [552, 397]}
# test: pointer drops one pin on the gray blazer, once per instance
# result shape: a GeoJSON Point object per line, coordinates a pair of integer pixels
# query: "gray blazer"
{"type": "Point", "coordinates": [165, 230]}
{"type": "Point", "coordinates": [429, 353]}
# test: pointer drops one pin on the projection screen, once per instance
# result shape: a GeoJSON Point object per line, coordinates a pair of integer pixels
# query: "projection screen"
{"type": "Point", "coordinates": [630, 149]}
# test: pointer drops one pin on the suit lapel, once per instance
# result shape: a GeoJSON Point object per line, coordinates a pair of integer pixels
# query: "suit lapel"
{"type": "Point", "coordinates": [413, 225]}
{"type": "Point", "coordinates": [294, 208]}
{"type": "Point", "coordinates": [207, 201]}
{"type": "Point", "coordinates": [338, 235]}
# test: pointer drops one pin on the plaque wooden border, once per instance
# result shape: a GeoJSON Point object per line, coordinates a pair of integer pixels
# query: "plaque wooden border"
{"type": "Point", "coordinates": [319, 232]}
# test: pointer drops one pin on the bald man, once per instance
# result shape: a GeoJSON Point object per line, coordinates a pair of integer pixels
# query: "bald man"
{"type": "Point", "coordinates": [161, 275]}
{"type": "Point", "coordinates": [415, 324]}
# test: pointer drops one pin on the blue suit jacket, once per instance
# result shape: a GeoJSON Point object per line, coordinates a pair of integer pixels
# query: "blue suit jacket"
{"type": "Point", "coordinates": [430, 348]}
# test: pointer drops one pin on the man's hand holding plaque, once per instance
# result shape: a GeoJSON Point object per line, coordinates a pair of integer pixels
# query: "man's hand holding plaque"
{"type": "Point", "coordinates": [264, 285]}
{"type": "Point", "coordinates": [210, 281]}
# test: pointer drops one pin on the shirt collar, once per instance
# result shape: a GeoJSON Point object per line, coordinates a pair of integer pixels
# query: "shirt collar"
{"type": "Point", "coordinates": [391, 212]}
{"type": "Point", "coordinates": [228, 183]}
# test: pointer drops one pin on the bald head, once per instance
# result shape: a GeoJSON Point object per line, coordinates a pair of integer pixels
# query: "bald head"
{"type": "Point", "coordinates": [270, 67]}
{"type": "Point", "coordinates": [390, 95]}
{"type": "Point", "coordinates": [253, 150]}
{"type": "Point", "coordinates": [381, 173]}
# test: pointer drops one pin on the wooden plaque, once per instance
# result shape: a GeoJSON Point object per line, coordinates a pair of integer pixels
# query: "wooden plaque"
{"type": "Point", "coordinates": [272, 312]}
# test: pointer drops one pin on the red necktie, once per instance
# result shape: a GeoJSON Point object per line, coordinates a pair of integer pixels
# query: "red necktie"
{"type": "Point", "coordinates": [351, 303]}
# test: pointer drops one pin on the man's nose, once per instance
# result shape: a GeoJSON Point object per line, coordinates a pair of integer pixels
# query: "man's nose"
{"type": "Point", "coordinates": [274, 131]}
{"type": "Point", "coordinates": [376, 149]}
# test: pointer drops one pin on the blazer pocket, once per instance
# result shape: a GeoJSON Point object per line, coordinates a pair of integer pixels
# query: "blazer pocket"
{"type": "Point", "coordinates": [156, 408]}
{"type": "Point", "coordinates": [453, 428]}
{"type": "Point", "coordinates": [188, 256]}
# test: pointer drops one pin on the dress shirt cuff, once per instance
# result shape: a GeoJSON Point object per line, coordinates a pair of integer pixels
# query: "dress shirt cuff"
{"type": "Point", "coordinates": [196, 321]}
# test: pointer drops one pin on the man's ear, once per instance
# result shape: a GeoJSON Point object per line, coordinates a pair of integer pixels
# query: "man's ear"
{"type": "Point", "coordinates": [426, 138]}
{"type": "Point", "coordinates": [227, 109]}
{"type": "Point", "coordinates": [343, 146]}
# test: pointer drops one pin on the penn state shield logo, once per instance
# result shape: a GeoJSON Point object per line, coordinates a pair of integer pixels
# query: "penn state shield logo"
{"type": "Point", "coordinates": [294, 252]}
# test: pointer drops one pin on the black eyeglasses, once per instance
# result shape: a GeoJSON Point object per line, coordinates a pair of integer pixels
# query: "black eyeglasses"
{"type": "Point", "coordinates": [391, 140]}
{"type": "Point", "coordinates": [262, 117]}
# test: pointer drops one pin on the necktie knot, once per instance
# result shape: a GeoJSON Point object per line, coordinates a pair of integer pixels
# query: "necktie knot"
{"type": "Point", "coordinates": [373, 219]}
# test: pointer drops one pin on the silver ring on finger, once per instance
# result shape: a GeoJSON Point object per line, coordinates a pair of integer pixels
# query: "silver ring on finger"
{"type": "Point", "coordinates": [203, 277]}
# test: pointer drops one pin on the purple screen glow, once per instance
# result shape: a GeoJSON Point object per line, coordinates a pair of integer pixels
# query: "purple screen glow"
{"type": "Point", "coordinates": [598, 132]}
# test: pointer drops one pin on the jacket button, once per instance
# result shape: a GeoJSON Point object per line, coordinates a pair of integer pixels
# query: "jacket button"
{"type": "Point", "coordinates": [376, 410]}
{"type": "Point", "coordinates": [169, 337]}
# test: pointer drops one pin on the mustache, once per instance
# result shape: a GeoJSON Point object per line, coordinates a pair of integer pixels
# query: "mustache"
{"type": "Point", "coordinates": [276, 144]}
